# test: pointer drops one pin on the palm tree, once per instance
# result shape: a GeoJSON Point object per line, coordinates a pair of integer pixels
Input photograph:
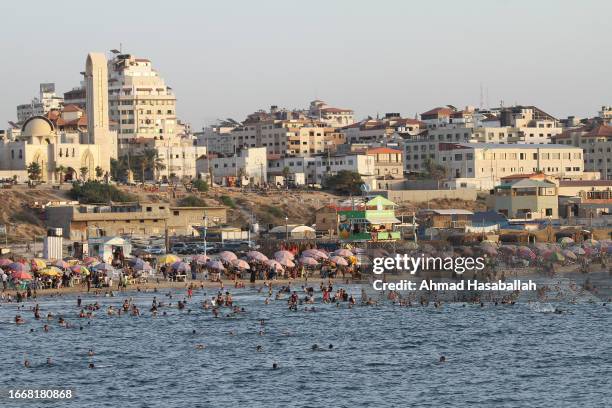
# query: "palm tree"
{"type": "Point", "coordinates": [60, 170]}
{"type": "Point", "coordinates": [34, 171]}
{"type": "Point", "coordinates": [151, 160]}
{"type": "Point", "coordinates": [83, 171]}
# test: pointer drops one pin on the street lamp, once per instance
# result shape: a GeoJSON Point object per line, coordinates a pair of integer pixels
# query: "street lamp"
{"type": "Point", "coordinates": [286, 228]}
{"type": "Point", "coordinates": [205, 229]}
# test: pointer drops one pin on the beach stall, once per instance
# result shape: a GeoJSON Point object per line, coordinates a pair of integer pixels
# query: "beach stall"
{"type": "Point", "coordinates": [110, 249]}
{"type": "Point", "coordinates": [373, 221]}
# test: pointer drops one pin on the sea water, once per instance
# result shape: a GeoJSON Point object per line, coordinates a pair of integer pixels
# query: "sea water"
{"type": "Point", "coordinates": [521, 355]}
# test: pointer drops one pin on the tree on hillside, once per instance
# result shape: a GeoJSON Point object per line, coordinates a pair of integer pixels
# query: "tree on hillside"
{"type": "Point", "coordinates": [435, 171]}
{"type": "Point", "coordinates": [95, 192]}
{"type": "Point", "coordinates": [83, 172]}
{"type": "Point", "coordinates": [345, 182]}
{"type": "Point", "coordinates": [60, 170]}
{"type": "Point", "coordinates": [149, 159]}
{"type": "Point", "coordinates": [34, 171]}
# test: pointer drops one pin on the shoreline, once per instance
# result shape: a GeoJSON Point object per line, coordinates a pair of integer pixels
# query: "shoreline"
{"type": "Point", "coordinates": [163, 284]}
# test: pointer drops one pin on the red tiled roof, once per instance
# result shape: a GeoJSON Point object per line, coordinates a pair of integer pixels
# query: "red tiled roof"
{"type": "Point", "coordinates": [382, 150]}
{"type": "Point", "coordinates": [72, 108]}
{"type": "Point", "coordinates": [524, 176]}
{"type": "Point", "coordinates": [440, 111]}
{"type": "Point", "coordinates": [585, 183]}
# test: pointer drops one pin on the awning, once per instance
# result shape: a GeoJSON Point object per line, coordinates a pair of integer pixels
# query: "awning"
{"type": "Point", "coordinates": [375, 219]}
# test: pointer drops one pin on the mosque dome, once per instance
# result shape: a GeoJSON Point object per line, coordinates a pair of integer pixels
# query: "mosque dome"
{"type": "Point", "coordinates": [37, 126]}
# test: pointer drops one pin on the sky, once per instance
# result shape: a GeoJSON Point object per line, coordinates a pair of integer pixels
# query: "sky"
{"type": "Point", "coordinates": [229, 58]}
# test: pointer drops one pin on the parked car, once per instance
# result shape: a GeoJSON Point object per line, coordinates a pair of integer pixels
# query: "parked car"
{"type": "Point", "coordinates": [155, 250]}
{"type": "Point", "coordinates": [179, 248]}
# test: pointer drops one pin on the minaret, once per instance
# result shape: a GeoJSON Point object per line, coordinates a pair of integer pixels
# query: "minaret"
{"type": "Point", "coordinates": [96, 78]}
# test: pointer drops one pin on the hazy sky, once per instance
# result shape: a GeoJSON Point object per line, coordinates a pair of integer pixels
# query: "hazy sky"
{"type": "Point", "coordinates": [229, 58]}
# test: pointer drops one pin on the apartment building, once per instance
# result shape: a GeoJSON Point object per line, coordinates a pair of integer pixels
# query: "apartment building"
{"type": "Point", "coordinates": [332, 117]}
{"type": "Point", "coordinates": [140, 101]}
{"type": "Point", "coordinates": [317, 168]}
{"type": "Point", "coordinates": [79, 222]}
{"type": "Point", "coordinates": [46, 101]}
{"type": "Point", "coordinates": [516, 125]}
{"type": "Point", "coordinates": [530, 196]}
{"type": "Point", "coordinates": [482, 165]}
{"type": "Point", "coordinates": [381, 130]}
{"type": "Point", "coordinates": [596, 141]}
{"type": "Point", "coordinates": [249, 163]}
{"type": "Point", "coordinates": [388, 162]}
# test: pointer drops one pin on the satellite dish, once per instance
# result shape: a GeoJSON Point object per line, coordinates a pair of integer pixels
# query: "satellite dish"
{"type": "Point", "coordinates": [365, 188]}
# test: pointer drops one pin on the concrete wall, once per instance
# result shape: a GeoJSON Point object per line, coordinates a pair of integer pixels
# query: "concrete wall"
{"type": "Point", "coordinates": [397, 196]}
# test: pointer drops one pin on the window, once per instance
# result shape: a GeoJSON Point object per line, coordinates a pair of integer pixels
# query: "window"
{"type": "Point", "coordinates": [549, 212]}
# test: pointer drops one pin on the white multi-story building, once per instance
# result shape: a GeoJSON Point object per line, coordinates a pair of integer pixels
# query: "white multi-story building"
{"type": "Point", "coordinates": [596, 141]}
{"type": "Point", "coordinates": [40, 106]}
{"type": "Point", "coordinates": [251, 164]}
{"type": "Point", "coordinates": [141, 103]}
{"type": "Point", "coordinates": [482, 165]}
{"type": "Point", "coordinates": [317, 168]}
{"type": "Point", "coordinates": [332, 117]}
{"type": "Point", "coordinates": [515, 125]}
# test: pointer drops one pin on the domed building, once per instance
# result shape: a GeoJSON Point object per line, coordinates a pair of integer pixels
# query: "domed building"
{"type": "Point", "coordinates": [65, 144]}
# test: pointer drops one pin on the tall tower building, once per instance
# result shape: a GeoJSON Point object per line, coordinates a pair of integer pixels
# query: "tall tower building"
{"type": "Point", "coordinates": [96, 78]}
{"type": "Point", "coordinates": [96, 84]}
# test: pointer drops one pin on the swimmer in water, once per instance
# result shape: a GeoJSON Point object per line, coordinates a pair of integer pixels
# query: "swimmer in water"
{"type": "Point", "coordinates": [19, 319]}
{"type": "Point", "coordinates": [442, 359]}
{"type": "Point", "coordinates": [331, 346]}
{"type": "Point", "coordinates": [274, 366]}
{"type": "Point", "coordinates": [91, 365]}
{"type": "Point", "coordinates": [199, 347]}
{"type": "Point", "coordinates": [26, 363]}
{"type": "Point", "coordinates": [90, 353]}
{"type": "Point", "coordinates": [315, 347]}
{"type": "Point", "coordinates": [49, 361]}
{"type": "Point", "coordinates": [259, 348]}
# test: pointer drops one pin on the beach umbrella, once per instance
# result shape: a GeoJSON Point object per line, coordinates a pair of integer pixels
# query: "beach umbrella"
{"type": "Point", "coordinates": [168, 259]}
{"type": "Point", "coordinates": [21, 275]}
{"type": "Point", "coordinates": [381, 253]}
{"type": "Point", "coordinates": [5, 262]}
{"type": "Point", "coordinates": [60, 263]}
{"type": "Point", "coordinates": [565, 241]}
{"type": "Point", "coordinates": [339, 260]}
{"type": "Point", "coordinates": [540, 246]}
{"type": "Point", "coordinates": [104, 267]}
{"type": "Point", "coordinates": [240, 264]}
{"type": "Point", "coordinates": [283, 254]}
{"type": "Point", "coordinates": [141, 265]}
{"type": "Point", "coordinates": [201, 259]}
{"type": "Point", "coordinates": [314, 253]}
{"type": "Point", "coordinates": [308, 261]}
{"type": "Point", "coordinates": [286, 262]}
{"type": "Point", "coordinates": [217, 265]}
{"type": "Point", "coordinates": [227, 256]}
{"type": "Point", "coordinates": [556, 257]}
{"type": "Point", "coordinates": [256, 256]}
{"type": "Point", "coordinates": [91, 260]}
{"type": "Point", "coordinates": [80, 269]}
{"type": "Point", "coordinates": [275, 265]}
{"type": "Point", "coordinates": [569, 254]}
{"type": "Point", "coordinates": [50, 271]}
{"type": "Point", "coordinates": [343, 252]}
{"type": "Point", "coordinates": [489, 250]}
{"type": "Point", "coordinates": [526, 253]}
{"type": "Point", "coordinates": [18, 267]}
{"type": "Point", "coordinates": [37, 263]}
{"type": "Point", "coordinates": [181, 267]}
